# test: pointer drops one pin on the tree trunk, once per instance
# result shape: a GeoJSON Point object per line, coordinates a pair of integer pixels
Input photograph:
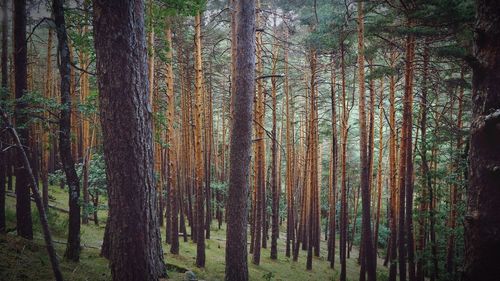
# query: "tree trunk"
{"type": "Point", "coordinates": [172, 184]}
{"type": "Point", "coordinates": [409, 155]}
{"type": "Point", "coordinates": [23, 157]}
{"type": "Point", "coordinates": [208, 156]}
{"type": "Point", "coordinates": [312, 158]}
{"type": "Point", "coordinates": [126, 119]}
{"type": "Point", "coordinates": [482, 241]}
{"type": "Point", "coordinates": [290, 160]}
{"type": "Point", "coordinates": [259, 149]}
{"type": "Point", "coordinates": [333, 171]}
{"type": "Point", "coordinates": [241, 144]}
{"type": "Point", "coordinates": [45, 133]}
{"type": "Point", "coordinates": [73, 246]}
{"type": "Point", "coordinates": [379, 166]}
{"type": "Point", "coordinates": [275, 188]}
{"type": "Point", "coordinates": [393, 207]}
{"type": "Point", "coordinates": [364, 161]}
{"type": "Point", "coordinates": [450, 255]}
{"type": "Point", "coordinates": [426, 181]}
{"type": "Point", "coordinates": [23, 205]}
{"type": "Point", "coordinates": [343, 200]}
{"type": "Point", "coordinates": [4, 165]}
{"type": "Point", "coordinates": [198, 148]}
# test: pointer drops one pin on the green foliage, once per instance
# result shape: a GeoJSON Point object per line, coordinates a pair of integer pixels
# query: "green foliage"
{"type": "Point", "coordinates": [221, 188]}
{"type": "Point", "coordinates": [36, 106]}
{"type": "Point", "coordinates": [97, 181]}
{"type": "Point", "coordinates": [268, 276]}
{"type": "Point", "coordinates": [58, 225]}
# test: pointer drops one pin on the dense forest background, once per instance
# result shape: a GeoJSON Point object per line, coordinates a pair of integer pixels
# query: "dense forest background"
{"type": "Point", "coordinates": [359, 167]}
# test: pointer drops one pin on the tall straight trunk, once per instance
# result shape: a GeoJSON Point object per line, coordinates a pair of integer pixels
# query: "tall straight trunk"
{"type": "Point", "coordinates": [4, 165]}
{"type": "Point", "coordinates": [260, 162]}
{"type": "Point", "coordinates": [450, 249]}
{"type": "Point", "coordinates": [151, 52]}
{"type": "Point", "coordinates": [23, 205]}
{"type": "Point", "coordinates": [73, 246]}
{"type": "Point", "coordinates": [275, 188]}
{"type": "Point", "coordinates": [86, 133]}
{"type": "Point", "coordinates": [379, 165]}
{"type": "Point", "coordinates": [426, 177]}
{"type": "Point", "coordinates": [172, 183]}
{"type": "Point", "coordinates": [198, 148]}
{"type": "Point", "coordinates": [333, 170]}
{"type": "Point", "coordinates": [364, 161]}
{"type": "Point", "coordinates": [208, 139]}
{"type": "Point", "coordinates": [3, 168]}
{"type": "Point", "coordinates": [481, 221]}
{"type": "Point", "coordinates": [401, 184]}
{"type": "Point", "coordinates": [290, 160]}
{"type": "Point", "coordinates": [433, 206]}
{"type": "Point", "coordinates": [126, 122]}
{"type": "Point", "coordinates": [405, 238]}
{"type": "Point", "coordinates": [185, 160]}
{"type": "Point", "coordinates": [393, 208]}
{"type": "Point", "coordinates": [371, 132]}
{"type": "Point", "coordinates": [409, 156]}
{"type": "Point", "coordinates": [5, 48]}
{"type": "Point", "coordinates": [241, 144]}
{"type": "Point", "coordinates": [354, 219]}
{"type": "Point", "coordinates": [312, 177]}
{"type": "Point", "coordinates": [343, 200]}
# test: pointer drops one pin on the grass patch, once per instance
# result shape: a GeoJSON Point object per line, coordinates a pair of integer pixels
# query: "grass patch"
{"type": "Point", "coordinates": [21, 259]}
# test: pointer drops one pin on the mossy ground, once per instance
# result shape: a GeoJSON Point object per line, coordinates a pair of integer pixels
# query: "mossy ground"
{"type": "Point", "coordinates": [21, 259]}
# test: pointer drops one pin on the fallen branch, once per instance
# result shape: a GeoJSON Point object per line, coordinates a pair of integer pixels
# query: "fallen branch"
{"type": "Point", "coordinates": [36, 194]}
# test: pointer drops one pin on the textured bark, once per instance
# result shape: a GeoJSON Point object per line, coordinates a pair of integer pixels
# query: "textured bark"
{"type": "Point", "coordinates": [454, 195]}
{"type": "Point", "coordinates": [3, 184]}
{"type": "Point", "coordinates": [73, 247]}
{"type": "Point", "coordinates": [208, 147]}
{"type": "Point", "coordinates": [482, 242]}
{"type": "Point", "coordinates": [259, 161]}
{"type": "Point", "coordinates": [208, 139]}
{"type": "Point", "coordinates": [393, 208]}
{"type": "Point", "coordinates": [5, 45]}
{"type": "Point", "coordinates": [364, 161]}
{"type": "Point", "coordinates": [86, 133]}
{"type": "Point", "coordinates": [408, 107]}
{"type": "Point", "coordinates": [379, 165]}
{"type": "Point", "coordinates": [290, 160]}
{"type": "Point", "coordinates": [3, 94]}
{"type": "Point", "coordinates": [23, 205]}
{"type": "Point", "coordinates": [45, 133]}
{"type": "Point", "coordinates": [198, 148]}
{"type": "Point", "coordinates": [74, 116]}
{"type": "Point", "coordinates": [126, 119]}
{"type": "Point", "coordinates": [185, 168]}
{"type": "Point", "coordinates": [275, 188]}
{"type": "Point", "coordinates": [343, 200]}
{"type": "Point", "coordinates": [403, 150]}
{"type": "Point", "coordinates": [172, 184]}
{"type": "Point", "coordinates": [333, 171]}
{"type": "Point", "coordinates": [241, 144]}
{"type": "Point", "coordinates": [312, 156]}
{"type": "Point", "coordinates": [426, 180]}
{"type": "Point", "coordinates": [405, 230]}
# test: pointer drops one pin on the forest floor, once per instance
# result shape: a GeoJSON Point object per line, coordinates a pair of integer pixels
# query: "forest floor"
{"type": "Point", "coordinates": [21, 259]}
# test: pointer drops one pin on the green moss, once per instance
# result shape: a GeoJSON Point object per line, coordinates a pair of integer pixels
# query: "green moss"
{"type": "Point", "coordinates": [24, 260]}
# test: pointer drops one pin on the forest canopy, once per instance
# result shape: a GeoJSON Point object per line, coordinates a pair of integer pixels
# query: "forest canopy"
{"type": "Point", "coordinates": [250, 140]}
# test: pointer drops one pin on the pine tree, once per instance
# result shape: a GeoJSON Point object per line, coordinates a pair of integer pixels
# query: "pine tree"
{"type": "Point", "coordinates": [133, 224]}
